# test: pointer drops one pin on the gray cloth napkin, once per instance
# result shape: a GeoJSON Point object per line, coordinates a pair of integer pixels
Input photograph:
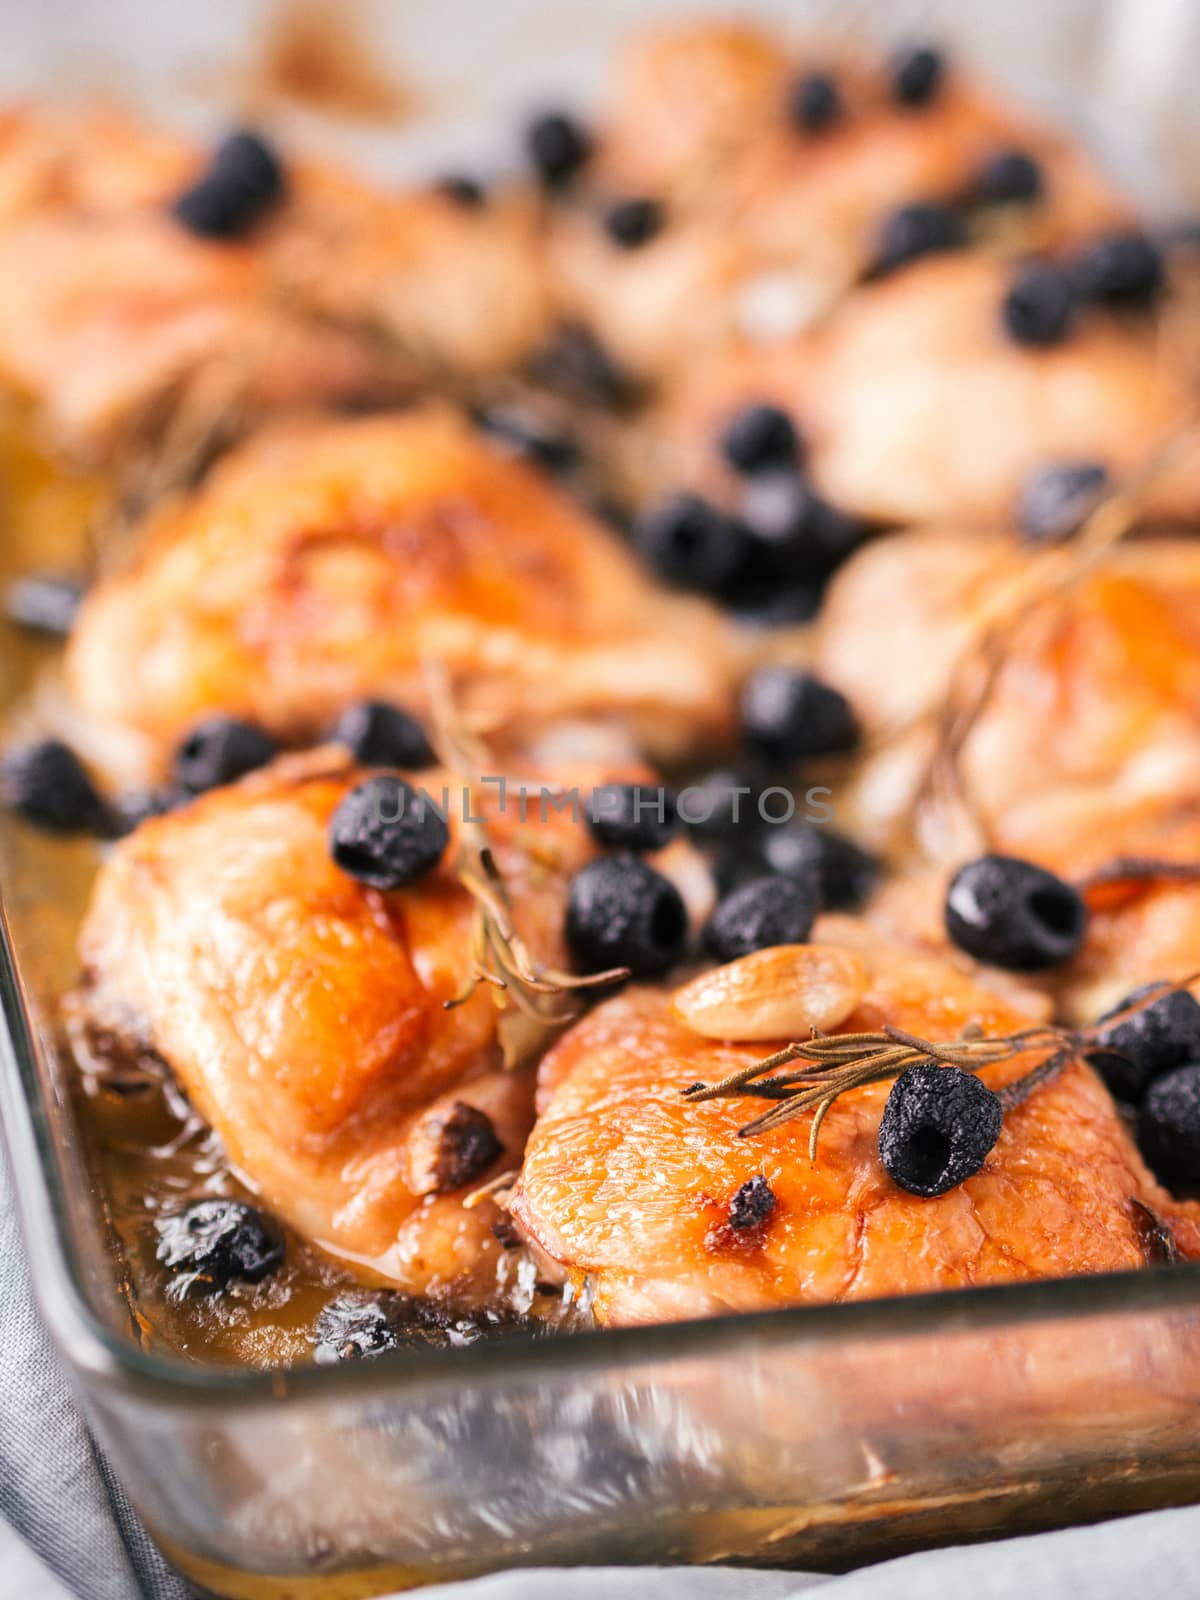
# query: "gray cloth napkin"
{"type": "Point", "coordinates": [58, 1493]}
{"type": "Point", "coordinates": [55, 1488]}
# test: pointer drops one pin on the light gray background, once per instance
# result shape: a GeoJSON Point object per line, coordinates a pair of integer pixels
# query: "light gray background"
{"type": "Point", "coordinates": [477, 62]}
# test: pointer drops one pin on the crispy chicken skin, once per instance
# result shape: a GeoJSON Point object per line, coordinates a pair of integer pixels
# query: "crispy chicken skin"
{"type": "Point", "coordinates": [699, 119]}
{"type": "Point", "coordinates": [686, 94]}
{"type": "Point", "coordinates": [1144, 923]}
{"type": "Point", "coordinates": [109, 307]}
{"type": "Point", "coordinates": [303, 1012]}
{"type": "Point", "coordinates": [917, 406]}
{"type": "Point", "coordinates": [107, 323]}
{"type": "Point", "coordinates": [691, 99]}
{"type": "Point", "coordinates": [1093, 705]}
{"type": "Point", "coordinates": [1143, 926]}
{"type": "Point", "coordinates": [1083, 753]}
{"type": "Point", "coordinates": [628, 1184]}
{"type": "Point", "coordinates": [328, 560]}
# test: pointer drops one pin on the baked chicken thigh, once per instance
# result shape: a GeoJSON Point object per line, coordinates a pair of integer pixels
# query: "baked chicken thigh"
{"type": "Point", "coordinates": [328, 560]}
{"type": "Point", "coordinates": [305, 1012]}
{"type": "Point", "coordinates": [658, 1202]}
{"type": "Point", "coordinates": [775, 180]}
{"type": "Point", "coordinates": [141, 279]}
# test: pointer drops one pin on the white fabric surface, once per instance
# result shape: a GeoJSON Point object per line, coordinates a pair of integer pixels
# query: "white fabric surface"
{"type": "Point", "coordinates": [24, 1574]}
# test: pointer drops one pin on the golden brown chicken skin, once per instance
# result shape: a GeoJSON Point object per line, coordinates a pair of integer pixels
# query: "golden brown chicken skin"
{"type": "Point", "coordinates": [686, 94]}
{"type": "Point", "coordinates": [328, 560]}
{"type": "Point", "coordinates": [1137, 865]}
{"type": "Point", "coordinates": [1038, 705]}
{"type": "Point", "coordinates": [628, 1184]}
{"type": "Point", "coordinates": [766, 224]}
{"type": "Point", "coordinates": [1138, 868]}
{"type": "Point", "coordinates": [305, 1016]}
{"type": "Point", "coordinates": [917, 405]}
{"type": "Point", "coordinates": [1077, 681]}
{"type": "Point", "coordinates": [691, 100]}
{"type": "Point", "coordinates": [114, 314]}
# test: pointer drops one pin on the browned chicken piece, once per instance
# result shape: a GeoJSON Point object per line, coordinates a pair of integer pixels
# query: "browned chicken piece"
{"type": "Point", "coordinates": [95, 159]}
{"type": "Point", "coordinates": [324, 561]}
{"type": "Point", "coordinates": [452, 290]}
{"type": "Point", "coordinates": [685, 97]}
{"type": "Point", "coordinates": [109, 326]}
{"type": "Point", "coordinates": [765, 224]}
{"type": "Point", "coordinates": [113, 313]}
{"type": "Point", "coordinates": [1137, 864]}
{"type": "Point", "coordinates": [917, 405]}
{"type": "Point", "coordinates": [1144, 923]}
{"type": "Point", "coordinates": [630, 1186]}
{"type": "Point", "coordinates": [304, 1012]}
{"type": "Point", "coordinates": [1071, 685]}
{"type": "Point", "coordinates": [1041, 706]}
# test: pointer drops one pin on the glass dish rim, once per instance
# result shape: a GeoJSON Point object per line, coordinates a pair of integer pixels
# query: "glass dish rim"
{"type": "Point", "coordinates": [95, 1350]}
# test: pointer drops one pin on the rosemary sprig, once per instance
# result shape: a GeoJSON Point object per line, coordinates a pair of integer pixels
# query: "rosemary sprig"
{"type": "Point", "coordinates": [547, 998]}
{"type": "Point", "coordinates": [1132, 869]}
{"type": "Point", "coordinates": [836, 1063]}
{"type": "Point", "coordinates": [942, 784]}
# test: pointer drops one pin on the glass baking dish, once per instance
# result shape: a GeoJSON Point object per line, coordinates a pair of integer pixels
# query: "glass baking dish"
{"type": "Point", "coordinates": [821, 1436]}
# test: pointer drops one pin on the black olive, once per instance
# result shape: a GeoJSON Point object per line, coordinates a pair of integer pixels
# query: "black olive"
{"type": "Point", "coordinates": [219, 1241]}
{"type": "Point", "coordinates": [44, 602]}
{"type": "Point", "coordinates": [559, 147]}
{"type": "Point", "coordinates": [1151, 1031]}
{"type": "Point", "coordinates": [1040, 307]}
{"type": "Point", "coordinates": [796, 541]}
{"type": "Point", "coordinates": [386, 834]}
{"type": "Point", "coordinates": [1123, 269]}
{"type": "Point", "coordinates": [632, 816]}
{"type": "Point", "coordinates": [633, 223]}
{"type": "Point", "coordinates": [798, 537]}
{"type": "Point", "coordinates": [760, 438]}
{"type": "Point", "coordinates": [766, 911]}
{"type": "Point", "coordinates": [938, 1127]}
{"type": "Point", "coordinates": [1013, 914]}
{"type": "Point", "coordinates": [220, 750]}
{"type": "Point", "coordinates": [1169, 1129]}
{"type": "Point", "coordinates": [846, 873]}
{"type": "Point", "coordinates": [1056, 501]}
{"type": "Point", "coordinates": [787, 603]}
{"type": "Point", "coordinates": [815, 102]}
{"type": "Point", "coordinates": [621, 913]}
{"type": "Point", "coordinates": [467, 1145]}
{"type": "Point", "coordinates": [790, 715]}
{"type": "Point", "coordinates": [1008, 176]}
{"type": "Point", "coordinates": [920, 229]}
{"type": "Point", "coordinates": [48, 785]}
{"type": "Point", "coordinates": [917, 75]}
{"type": "Point", "coordinates": [722, 806]}
{"type": "Point", "coordinates": [379, 734]}
{"type": "Point", "coordinates": [244, 181]}
{"type": "Point", "coordinates": [691, 545]}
